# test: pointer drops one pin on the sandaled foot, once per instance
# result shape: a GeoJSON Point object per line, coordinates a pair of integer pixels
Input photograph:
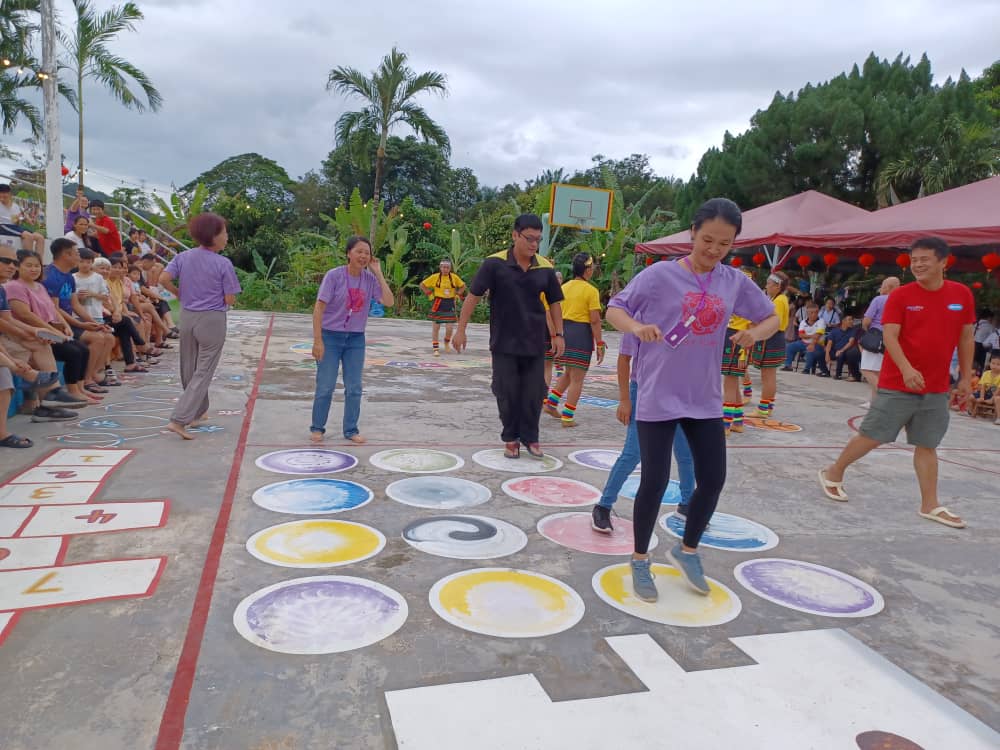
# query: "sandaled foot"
{"type": "Point", "coordinates": [179, 429]}
{"type": "Point", "coordinates": [942, 515]}
{"type": "Point", "coordinates": [512, 450]}
{"type": "Point", "coordinates": [15, 441]}
{"type": "Point", "coordinates": [535, 451]}
{"type": "Point", "coordinates": [356, 439]}
{"type": "Point", "coordinates": [833, 490]}
{"type": "Point", "coordinates": [315, 437]}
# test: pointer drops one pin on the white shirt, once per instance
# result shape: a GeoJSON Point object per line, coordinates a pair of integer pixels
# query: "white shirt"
{"type": "Point", "coordinates": [983, 330]}
{"type": "Point", "coordinates": [830, 317]}
{"type": "Point", "coordinates": [992, 341]}
{"type": "Point", "coordinates": [95, 284]}
{"type": "Point", "coordinates": [8, 213]}
{"type": "Point", "coordinates": [76, 238]}
{"type": "Point", "coordinates": [812, 329]}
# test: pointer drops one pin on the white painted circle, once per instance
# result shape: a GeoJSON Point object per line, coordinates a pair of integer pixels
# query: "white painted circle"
{"type": "Point", "coordinates": [493, 458]}
{"type": "Point", "coordinates": [465, 537]}
{"type": "Point", "coordinates": [438, 492]}
{"type": "Point", "coordinates": [807, 587]}
{"type": "Point", "coordinates": [726, 532]}
{"type": "Point", "coordinates": [602, 459]}
{"type": "Point", "coordinates": [552, 492]}
{"type": "Point", "coordinates": [416, 461]}
{"type": "Point", "coordinates": [307, 461]}
{"type": "Point", "coordinates": [315, 543]}
{"type": "Point", "coordinates": [573, 530]}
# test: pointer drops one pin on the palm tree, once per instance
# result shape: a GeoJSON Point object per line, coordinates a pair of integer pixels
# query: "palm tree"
{"type": "Point", "coordinates": [91, 58]}
{"type": "Point", "coordinates": [388, 93]}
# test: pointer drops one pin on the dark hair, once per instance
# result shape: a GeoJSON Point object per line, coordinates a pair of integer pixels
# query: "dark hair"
{"type": "Point", "coordinates": [147, 256]}
{"type": "Point", "coordinates": [97, 203]}
{"type": "Point", "coordinates": [581, 262]}
{"type": "Point", "coordinates": [939, 246]}
{"type": "Point", "coordinates": [718, 208]}
{"type": "Point", "coordinates": [81, 217]}
{"type": "Point", "coordinates": [527, 221]}
{"type": "Point", "coordinates": [4, 188]}
{"type": "Point", "coordinates": [132, 230]}
{"type": "Point", "coordinates": [117, 257]}
{"type": "Point", "coordinates": [60, 246]}
{"type": "Point", "coordinates": [354, 240]}
{"type": "Point", "coordinates": [204, 228]}
{"type": "Point", "coordinates": [812, 305]}
{"type": "Point", "coordinates": [87, 254]}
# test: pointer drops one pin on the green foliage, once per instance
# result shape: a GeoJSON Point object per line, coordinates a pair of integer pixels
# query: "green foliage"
{"type": "Point", "coordinates": [134, 198]}
{"type": "Point", "coordinates": [251, 176]}
{"type": "Point", "coordinates": [177, 210]}
{"type": "Point", "coordinates": [353, 219]}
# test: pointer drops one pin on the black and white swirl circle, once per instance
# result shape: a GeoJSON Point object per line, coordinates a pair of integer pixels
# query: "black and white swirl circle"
{"type": "Point", "coordinates": [465, 537]}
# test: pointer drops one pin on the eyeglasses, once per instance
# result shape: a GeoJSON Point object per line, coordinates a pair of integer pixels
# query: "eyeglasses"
{"type": "Point", "coordinates": [10, 262]}
{"type": "Point", "coordinates": [530, 240]}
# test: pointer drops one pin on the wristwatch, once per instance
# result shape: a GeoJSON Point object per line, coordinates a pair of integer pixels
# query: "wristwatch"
{"type": "Point", "coordinates": [559, 335]}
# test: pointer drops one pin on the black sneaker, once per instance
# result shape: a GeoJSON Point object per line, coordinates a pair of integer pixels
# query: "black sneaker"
{"type": "Point", "coordinates": [601, 520]}
{"type": "Point", "coordinates": [48, 414]}
{"type": "Point", "coordinates": [60, 398]}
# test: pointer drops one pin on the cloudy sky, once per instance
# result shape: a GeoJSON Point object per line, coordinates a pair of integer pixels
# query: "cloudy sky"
{"type": "Point", "coordinates": [534, 85]}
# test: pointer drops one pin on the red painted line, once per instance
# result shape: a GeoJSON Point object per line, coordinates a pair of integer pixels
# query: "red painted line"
{"type": "Point", "coordinates": [171, 731]}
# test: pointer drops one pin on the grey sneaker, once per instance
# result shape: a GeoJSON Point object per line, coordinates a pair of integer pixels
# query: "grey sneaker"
{"type": "Point", "coordinates": [48, 414]}
{"type": "Point", "coordinates": [642, 581]}
{"type": "Point", "coordinates": [689, 565]}
{"type": "Point", "coordinates": [60, 398]}
{"type": "Point", "coordinates": [600, 520]}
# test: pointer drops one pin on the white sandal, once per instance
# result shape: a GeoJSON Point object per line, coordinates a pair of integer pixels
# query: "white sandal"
{"type": "Point", "coordinates": [826, 485]}
{"type": "Point", "coordinates": [939, 513]}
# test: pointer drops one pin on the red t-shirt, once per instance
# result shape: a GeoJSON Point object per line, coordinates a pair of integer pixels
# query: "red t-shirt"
{"type": "Point", "coordinates": [112, 241]}
{"type": "Point", "coordinates": [930, 327]}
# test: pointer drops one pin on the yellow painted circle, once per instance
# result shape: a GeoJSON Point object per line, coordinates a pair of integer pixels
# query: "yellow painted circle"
{"type": "Point", "coordinates": [315, 543]}
{"type": "Point", "coordinates": [506, 603]}
{"type": "Point", "coordinates": [677, 605]}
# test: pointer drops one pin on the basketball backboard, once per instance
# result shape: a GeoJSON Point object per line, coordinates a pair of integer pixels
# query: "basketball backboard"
{"type": "Point", "coordinates": [579, 207]}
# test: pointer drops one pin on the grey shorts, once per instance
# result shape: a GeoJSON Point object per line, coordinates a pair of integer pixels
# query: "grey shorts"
{"type": "Point", "coordinates": [925, 417]}
{"type": "Point", "coordinates": [6, 379]}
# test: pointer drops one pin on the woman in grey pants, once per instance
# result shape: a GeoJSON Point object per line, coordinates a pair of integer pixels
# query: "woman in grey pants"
{"type": "Point", "coordinates": [207, 287]}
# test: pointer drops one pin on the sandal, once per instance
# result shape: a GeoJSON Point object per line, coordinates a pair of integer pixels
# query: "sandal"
{"type": "Point", "coordinates": [136, 368]}
{"type": "Point", "coordinates": [940, 514]}
{"type": "Point", "coordinates": [94, 388]}
{"type": "Point", "coordinates": [164, 345]}
{"type": "Point", "coordinates": [512, 450]}
{"type": "Point", "coordinates": [15, 441]}
{"type": "Point", "coordinates": [833, 490]}
{"type": "Point", "coordinates": [535, 451]}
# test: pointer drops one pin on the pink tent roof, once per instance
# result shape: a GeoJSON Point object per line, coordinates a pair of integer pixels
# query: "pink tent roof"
{"type": "Point", "coordinates": [967, 215]}
{"type": "Point", "coordinates": [765, 225]}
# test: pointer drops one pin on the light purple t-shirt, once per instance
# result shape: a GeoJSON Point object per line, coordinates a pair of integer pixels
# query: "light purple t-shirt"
{"type": "Point", "coordinates": [629, 347]}
{"type": "Point", "coordinates": [204, 278]}
{"type": "Point", "coordinates": [875, 309]}
{"type": "Point", "coordinates": [347, 299]}
{"type": "Point", "coordinates": [685, 381]}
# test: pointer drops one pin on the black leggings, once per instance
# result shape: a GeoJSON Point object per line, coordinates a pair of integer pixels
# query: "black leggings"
{"type": "Point", "coordinates": [74, 355]}
{"type": "Point", "coordinates": [126, 332]}
{"type": "Point", "coordinates": [707, 438]}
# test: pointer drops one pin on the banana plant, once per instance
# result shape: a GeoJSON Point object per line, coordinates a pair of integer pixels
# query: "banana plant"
{"type": "Point", "coordinates": [176, 214]}
{"type": "Point", "coordinates": [356, 219]}
{"type": "Point", "coordinates": [397, 273]}
{"type": "Point", "coordinates": [464, 257]}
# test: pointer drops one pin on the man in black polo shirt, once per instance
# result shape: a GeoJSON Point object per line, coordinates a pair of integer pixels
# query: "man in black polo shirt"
{"type": "Point", "coordinates": [516, 279]}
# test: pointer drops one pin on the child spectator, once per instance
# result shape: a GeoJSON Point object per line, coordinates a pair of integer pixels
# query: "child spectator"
{"type": "Point", "coordinates": [11, 216]}
{"type": "Point", "coordinates": [105, 229]}
{"type": "Point", "coordinates": [987, 391]}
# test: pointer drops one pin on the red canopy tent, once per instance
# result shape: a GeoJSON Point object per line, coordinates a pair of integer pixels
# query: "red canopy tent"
{"type": "Point", "coordinates": [766, 225]}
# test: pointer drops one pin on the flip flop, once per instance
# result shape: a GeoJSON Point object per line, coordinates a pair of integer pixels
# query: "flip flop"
{"type": "Point", "coordinates": [15, 441]}
{"type": "Point", "coordinates": [826, 484]}
{"type": "Point", "coordinates": [512, 450]}
{"type": "Point", "coordinates": [938, 515]}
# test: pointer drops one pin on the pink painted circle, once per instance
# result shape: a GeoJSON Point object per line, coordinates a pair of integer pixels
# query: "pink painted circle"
{"type": "Point", "coordinates": [555, 492]}
{"type": "Point", "coordinates": [573, 530]}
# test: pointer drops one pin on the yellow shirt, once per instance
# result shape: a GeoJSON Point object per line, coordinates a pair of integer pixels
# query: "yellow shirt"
{"type": "Point", "coordinates": [781, 310]}
{"type": "Point", "coordinates": [445, 287]}
{"type": "Point", "coordinates": [989, 380]}
{"type": "Point", "coordinates": [739, 324]}
{"type": "Point", "coordinates": [579, 298]}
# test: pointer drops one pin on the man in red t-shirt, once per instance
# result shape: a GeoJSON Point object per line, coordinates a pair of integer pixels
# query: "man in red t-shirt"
{"type": "Point", "coordinates": [923, 322]}
{"type": "Point", "coordinates": [106, 229]}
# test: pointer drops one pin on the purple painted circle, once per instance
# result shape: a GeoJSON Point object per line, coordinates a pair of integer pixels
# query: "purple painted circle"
{"type": "Point", "coordinates": [306, 461]}
{"type": "Point", "coordinates": [809, 588]}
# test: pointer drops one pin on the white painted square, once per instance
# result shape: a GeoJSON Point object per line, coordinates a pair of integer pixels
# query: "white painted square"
{"type": "Point", "coordinates": [55, 493]}
{"type": "Point", "coordinates": [74, 584]}
{"type": "Point", "coordinates": [95, 457]}
{"type": "Point", "coordinates": [6, 619]}
{"type": "Point", "coordinates": [11, 520]}
{"type": "Point", "coordinates": [29, 553]}
{"type": "Point", "coordinates": [94, 518]}
{"type": "Point", "coordinates": [66, 474]}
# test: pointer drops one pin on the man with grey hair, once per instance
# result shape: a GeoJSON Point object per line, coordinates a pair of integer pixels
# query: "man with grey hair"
{"type": "Point", "coordinates": [871, 361]}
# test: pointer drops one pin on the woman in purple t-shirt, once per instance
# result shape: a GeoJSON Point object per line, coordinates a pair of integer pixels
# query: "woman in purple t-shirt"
{"type": "Point", "coordinates": [339, 320]}
{"type": "Point", "coordinates": [679, 311]}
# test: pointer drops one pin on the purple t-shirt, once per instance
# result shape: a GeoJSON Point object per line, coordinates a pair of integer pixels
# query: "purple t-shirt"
{"type": "Point", "coordinates": [347, 299]}
{"type": "Point", "coordinates": [72, 216]}
{"type": "Point", "coordinates": [875, 309]}
{"type": "Point", "coordinates": [204, 278]}
{"type": "Point", "coordinates": [685, 381]}
{"type": "Point", "coordinates": [629, 347]}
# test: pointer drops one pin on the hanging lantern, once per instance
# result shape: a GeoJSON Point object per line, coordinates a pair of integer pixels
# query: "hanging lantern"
{"type": "Point", "coordinates": [903, 260]}
{"type": "Point", "coordinates": [759, 258]}
{"type": "Point", "coordinates": [867, 260]}
{"type": "Point", "coordinates": [427, 225]}
{"type": "Point", "coordinates": [830, 259]}
{"type": "Point", "coordinates": [950, 262]}
{"type": "Point", "coordinates": [804, 261]}
{"type": "Point", "coordinates": [736, 262]}
{"type": "Point", "coordinates": [64, 170]}
{"type": "Point", "coordinates": [650, 260]}
{"type": "Point", "coordinates": [991, 261]}
{"type": "Point", "coordinates": [977, 285]}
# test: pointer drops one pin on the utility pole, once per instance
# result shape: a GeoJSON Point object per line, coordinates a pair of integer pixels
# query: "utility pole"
{"type": "Point", "coordinates": [50, 110]}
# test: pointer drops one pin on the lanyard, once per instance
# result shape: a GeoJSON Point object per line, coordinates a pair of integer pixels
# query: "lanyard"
{"type": "Point", "coordinates": [703, 287]}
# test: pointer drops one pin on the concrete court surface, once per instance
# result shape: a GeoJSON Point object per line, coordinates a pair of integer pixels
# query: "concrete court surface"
{"type": "Point", "coordinates": [170, 670]}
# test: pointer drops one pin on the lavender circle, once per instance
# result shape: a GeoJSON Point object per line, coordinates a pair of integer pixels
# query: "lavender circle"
{"type": "Point", "coordinates": [307, 461]}
{"type": "Point", "coordinates": [810, 588]}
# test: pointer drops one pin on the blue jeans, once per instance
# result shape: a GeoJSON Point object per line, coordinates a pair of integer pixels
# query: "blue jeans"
{"type": "Point", "coordinates": [816, 357]}
{"type": "Point", "coordinates": [629, 459]}
{"type": "Point", "coordinates": [349, 349]}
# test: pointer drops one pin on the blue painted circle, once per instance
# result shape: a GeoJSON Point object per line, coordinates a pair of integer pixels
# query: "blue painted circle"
{"type": "Point", "coordinates": [671, 497]}
{"type": "Point", "coordinates": [727, 532]}
{"type": "Point", "coordinates": [309, 496]}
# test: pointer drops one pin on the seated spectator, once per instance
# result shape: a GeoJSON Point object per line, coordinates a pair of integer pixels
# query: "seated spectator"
{"type": "Point", "coordinates": [105, 230]}
{"type": "Point", "coordinates": [830, 315]}
{"type": "Point", "coordinates": [77, 209]}
{"type": "Point", "coordinates": [30, 303]}
{"type": "Point", "coordinates": [811, 332]}
{"type": "Point", "coordinates": [11, 216]}
{"type": "Point", "coordinates": [842, 348]}
{"type": "Point", "coordinates": [131, 245]}
{"type": "Point", "coordinates": [153, 294]}
{"type": "Point", "coordinates": [144, 244]}
{"type": "Point", "coordinates": [121, 317]}
{"type": "Point", "coordinates": [81, 237]}
{"type": "Point", "coordinates": [987, 391]}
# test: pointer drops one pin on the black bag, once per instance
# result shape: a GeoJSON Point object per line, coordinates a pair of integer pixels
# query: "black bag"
{"type": "Point", "coordinates": [871, 341]}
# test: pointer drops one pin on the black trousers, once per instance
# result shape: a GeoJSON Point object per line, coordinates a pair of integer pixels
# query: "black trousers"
{"type": "Point", "coordinates": [74, 355]}
{"type": "Point", "coordinates": [851, 358]}
{"type": "Point", "coordinates": [519, 387]}
{"type": "Point", "coordinates": [707, 438]}
{"type": "Point", "coordinates": [127, 333]}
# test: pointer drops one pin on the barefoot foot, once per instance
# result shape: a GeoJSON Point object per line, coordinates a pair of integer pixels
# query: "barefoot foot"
{"type": "Point", "coordinates": [179, 429]}
{"type": "Point", "coordinates": [356, 439]}
{"type": "Point", "coordinates": [315, 437]}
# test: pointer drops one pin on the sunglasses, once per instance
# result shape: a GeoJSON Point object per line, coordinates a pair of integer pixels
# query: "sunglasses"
{"type": "Point", "coordinates": [10, 262]}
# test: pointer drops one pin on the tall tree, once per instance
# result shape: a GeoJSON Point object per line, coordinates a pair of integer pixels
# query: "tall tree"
{"type": "Point", "coordinates": [87, 44]}
{"type": "Point", "coordinates": [252, 176]}
{"type": "Point", "coordinates": [389, 94]}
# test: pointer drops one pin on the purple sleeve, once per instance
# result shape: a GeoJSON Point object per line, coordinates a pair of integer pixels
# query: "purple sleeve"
{"type": "Point", "coordinates": [751, 302]}
{"type": "Point", "coordinates": [629, 345]}
{"type": "Point", "coordinates": [230, 282]}
{"type": "Point", "coordinates": [328, 288]}
{"type": "Point", "coordinates": [173, 268]}
{"type": "Point", "coordinates": [633, 298]}
{"type": "Point", "coordinates": [874, 308]}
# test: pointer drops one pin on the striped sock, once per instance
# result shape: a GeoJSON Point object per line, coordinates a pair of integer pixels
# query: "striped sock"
{"type": "Point", "coordinates": [738, 416]}
{"type": "Point", "coordinates": [728, 413]}
{"type": "Point", "coordinates": [553, 398]}
{"type": "Point", "coordinates": [766, 406]}
{"type": "Point", "coordinates": [568, 412]}
{"type": "Point", "coordinates": [436, 345]}
{"type": "Point", "coordinates": [747, 388]}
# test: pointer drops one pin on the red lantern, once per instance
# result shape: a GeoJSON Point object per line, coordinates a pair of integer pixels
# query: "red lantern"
{"type": "Point", "coordinates": [759, 258]}
{"type": "Point", "coordinates": [991, 261]}
{"type": "Point", "coordinates": [950, 262]}
{"type": "Point", "coordinates": [804, 261]}
{"type": "Point", "coordinates": [427, 225]}
{"type": "Point", "coordinates": [650, 260]}
{"type": "Point", "coordinates": [977, 285]}
{"type": "Point", "coordinates": [64, 170]}
{"type": "Point", "coordinates": [830, 259]}
{"type": "Point", "coordinates": [736, 262]}
{"type": "Point", "coordinates": [867, 260]}
{"type": "Point", "coordinates": [903, 260]}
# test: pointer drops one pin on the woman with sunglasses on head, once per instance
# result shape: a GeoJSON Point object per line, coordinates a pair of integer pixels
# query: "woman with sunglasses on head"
{"type": "Point", "coordinates": [679, 312]}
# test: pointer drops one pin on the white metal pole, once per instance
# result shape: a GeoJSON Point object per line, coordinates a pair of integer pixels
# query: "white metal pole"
{"type": "Point", "coordinates": [53, 153]}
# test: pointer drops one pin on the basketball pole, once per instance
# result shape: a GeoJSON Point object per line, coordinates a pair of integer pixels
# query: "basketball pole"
{"type": "Point", "coordinates": [543, 246]}
{"type": "Point", "coordinates": [50, 113]}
